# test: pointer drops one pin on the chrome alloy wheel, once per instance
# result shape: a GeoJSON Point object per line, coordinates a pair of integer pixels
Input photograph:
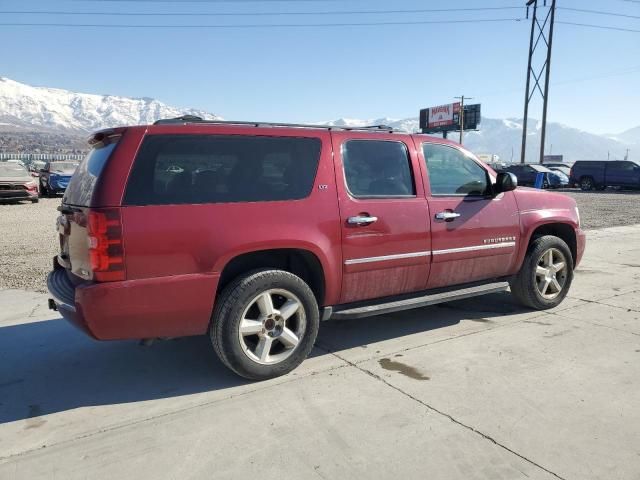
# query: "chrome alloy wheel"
{"type": "Point", "coordinates": [272, 326]}
{"type": "Point", "coordinates": [551, 273]}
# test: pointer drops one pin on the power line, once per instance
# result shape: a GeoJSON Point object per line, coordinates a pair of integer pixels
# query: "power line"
{"type": "Point", "coordinates": [258, 25]}
{"type": "Point", "coordinates": [599, 12]}
{"type": "Point", "coordinates": [602, 27]}
{"type": "Point", "coordinates": [256, 14]}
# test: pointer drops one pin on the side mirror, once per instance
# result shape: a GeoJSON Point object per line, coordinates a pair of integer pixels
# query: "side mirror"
{"type": "Point", "coordinates": [505, 182]}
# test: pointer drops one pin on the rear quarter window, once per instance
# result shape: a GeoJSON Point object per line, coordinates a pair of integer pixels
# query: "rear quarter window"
{"type": "Point", "coordinates": [82, 184]}
{"type": "Point", "coordinates": [196, 169]}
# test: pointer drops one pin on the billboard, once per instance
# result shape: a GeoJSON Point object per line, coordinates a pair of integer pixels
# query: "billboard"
{"type": "Point", "coordinates": [446, 118]}
{"type": "Point", "coordinates": [443, 115]}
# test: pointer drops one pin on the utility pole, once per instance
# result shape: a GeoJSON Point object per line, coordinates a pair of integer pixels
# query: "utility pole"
{"type": "Point", "coordinates": [545, 33]}
{"type": "Point", "coordinates": [462, 115]}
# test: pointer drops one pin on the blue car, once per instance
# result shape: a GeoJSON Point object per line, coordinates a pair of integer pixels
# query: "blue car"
{"type": "Point", "coordinates": [55, 176]}
{"type": "Point", "coordinates": [527, 174]}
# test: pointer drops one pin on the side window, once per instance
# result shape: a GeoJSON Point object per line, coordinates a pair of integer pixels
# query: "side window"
{"type": "Point", "coordinates": [377, 168]}
{"type": "Point", "coordinates": [625, 166]}
{"type": "Point", "coordinates": [451, 172]}
{"type": "Point", "coordinates": [178, 169]}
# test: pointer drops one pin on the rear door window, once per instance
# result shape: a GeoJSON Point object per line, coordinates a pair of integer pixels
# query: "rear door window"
{"type": "Point", "coordinates": [179, 169]}
{"type": "Point", "coordinates": [377, 169]}
{"type": "Point", "coordinates": [81, 186]}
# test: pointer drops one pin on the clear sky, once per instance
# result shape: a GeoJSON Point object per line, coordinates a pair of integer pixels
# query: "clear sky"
{"type": "Point", "coordinates": [323, 73]}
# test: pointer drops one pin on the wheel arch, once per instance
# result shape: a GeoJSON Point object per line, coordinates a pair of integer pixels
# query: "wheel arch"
{"type": "Point", "coordinates": [564, 231]}
{"type": "Point", "coordinates": [301, 262]}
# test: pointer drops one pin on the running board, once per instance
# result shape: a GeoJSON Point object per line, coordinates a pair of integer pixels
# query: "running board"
{"type": "Point", "coordinates": [417, 302]}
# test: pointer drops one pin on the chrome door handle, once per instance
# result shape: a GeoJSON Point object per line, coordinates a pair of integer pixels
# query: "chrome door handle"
{"type": "Point", "coordinates": [447, 216]}
{"type": "Point", "coordinates": [361, 220]}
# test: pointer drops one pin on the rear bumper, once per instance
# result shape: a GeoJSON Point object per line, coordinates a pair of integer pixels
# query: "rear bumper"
{"type": "Point", "coordinates": [173, 306]}
{"type": "Point", "coordinates": [581, 244]}
{"type": "Point", "coordinates": [62, 299]}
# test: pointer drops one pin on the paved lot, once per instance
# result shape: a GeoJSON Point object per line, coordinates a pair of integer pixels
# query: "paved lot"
{"type": "Point", "coordinates": [476, 389]}
{"type": "Point", "coordinates": [28, 242]}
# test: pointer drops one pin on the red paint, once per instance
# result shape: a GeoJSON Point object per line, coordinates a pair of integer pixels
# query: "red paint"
{"type": "Point", "coordinates": [174, 254]}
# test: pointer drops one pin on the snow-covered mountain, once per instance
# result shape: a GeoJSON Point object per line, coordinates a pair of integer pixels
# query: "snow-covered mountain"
{"type": "Point", "coordinates": [503, 137]}
{"type": "Point", "coordinates": [24, 107]}
{"type": "Point", "coordinates": [631, 136]}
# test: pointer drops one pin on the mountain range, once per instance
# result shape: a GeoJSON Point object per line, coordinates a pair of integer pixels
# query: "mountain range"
{"type": "Point", "coordinates": [61, 114]}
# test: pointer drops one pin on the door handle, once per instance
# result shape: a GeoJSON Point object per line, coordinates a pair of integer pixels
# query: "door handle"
{"type": "Point", "coordinates": [447, 216]}
{"type": "Point", "coordinates": [361, 220]}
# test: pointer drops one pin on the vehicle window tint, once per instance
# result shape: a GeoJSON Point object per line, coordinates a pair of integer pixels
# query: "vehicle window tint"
{"type": "Point", "coordinates": [451, 172]}
{"type": "Point", "coordinates": [176, 169]}
{"type": "Point", "coordinates": [83, 182]}
{"type": "Point", "coordinates": [626, 166]}
{"type": "Point", "coordinates": [375, 168]}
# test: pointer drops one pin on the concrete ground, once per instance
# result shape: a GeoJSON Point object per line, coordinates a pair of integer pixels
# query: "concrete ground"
{"type": "Point", "coordinates": [476, 389]}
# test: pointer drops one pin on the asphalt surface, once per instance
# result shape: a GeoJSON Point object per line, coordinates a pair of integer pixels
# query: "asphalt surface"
{"type": "Point", "coordinates": [28, 241]}
{"type": "Point", "coordinates": [475, 389]}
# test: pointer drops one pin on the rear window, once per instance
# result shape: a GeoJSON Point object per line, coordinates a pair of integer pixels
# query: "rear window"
{"type": "Point", "coordinates": [178, 169]}
{"type": "Point", "coordinates": [83, 182]}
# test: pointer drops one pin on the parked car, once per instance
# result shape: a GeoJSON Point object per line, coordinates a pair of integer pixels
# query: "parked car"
{"type": "Point", "coordinates": [527, 174]}
{"type": "Point", "coordinates": [565, 170]}
{"type": "Point", "coordinates": [600, 174]}
{"type": "Point", "coordinates": [269, 229]}
{"type": "Point", "coordinates": [16, 183]}
{"type": "Point", "coordinates": [551, 165]}
{"type": "Point", "coordinates": [35, 167]}
{"type": "Point", "coordinates": [55, 176]}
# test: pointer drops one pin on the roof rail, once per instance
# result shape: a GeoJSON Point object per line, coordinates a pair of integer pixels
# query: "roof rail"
{"type": "Point", "coordinates": [194, 119]}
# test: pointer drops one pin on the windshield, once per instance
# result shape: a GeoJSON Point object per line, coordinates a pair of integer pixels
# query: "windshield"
{"type": "Point", "coordinates": [12, 170]}
{"type": "Point", "coordinates": [63, 167]}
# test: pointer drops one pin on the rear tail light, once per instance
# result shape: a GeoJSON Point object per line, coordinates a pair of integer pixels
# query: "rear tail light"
{"type": "Point", "coordinates": [106, 252]}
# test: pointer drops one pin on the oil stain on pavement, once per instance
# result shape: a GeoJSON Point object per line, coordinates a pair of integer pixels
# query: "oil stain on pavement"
{"type": "Point", "coordinates": [406, 370]}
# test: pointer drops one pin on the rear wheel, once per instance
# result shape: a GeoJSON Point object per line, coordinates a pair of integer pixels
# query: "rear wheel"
{"type": "Point", "coordinates": [546, 274]}
{"type": "Point", "coordinates": [264, 324]}
{"type": "Point", "coordinates": [35, 200]}
{"type": "Point", "coordinates": [587, 184]}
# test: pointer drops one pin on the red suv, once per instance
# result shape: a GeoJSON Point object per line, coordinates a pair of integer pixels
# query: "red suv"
{"type": "Point", "coordinates": [253, 233]}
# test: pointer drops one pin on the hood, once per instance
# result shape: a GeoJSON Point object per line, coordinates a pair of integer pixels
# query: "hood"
{"type": "Point", "coordinates": [530, 199]}
{"type": "Point", "coordinates": [16, 180]}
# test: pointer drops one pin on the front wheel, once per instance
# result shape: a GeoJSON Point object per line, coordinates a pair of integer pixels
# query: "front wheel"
{"type": "Point", "coordinates": [264, 324]}
{"type": "Point", "coordinates": [546, 274]}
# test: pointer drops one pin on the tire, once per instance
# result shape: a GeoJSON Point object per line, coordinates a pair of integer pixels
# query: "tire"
{"type": "Point", "coordinates": [587, 184]}
{"type": "Point", "coordinates": [529, 284]}
{"type": "Point", "coordinates": [545, 184]}
{"type": "Point", "coordinates": [42, 191]}
{"type": "Point", "coordinates": [265, 324]}
{"type": "Point", "coordinates": [35, 200]}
